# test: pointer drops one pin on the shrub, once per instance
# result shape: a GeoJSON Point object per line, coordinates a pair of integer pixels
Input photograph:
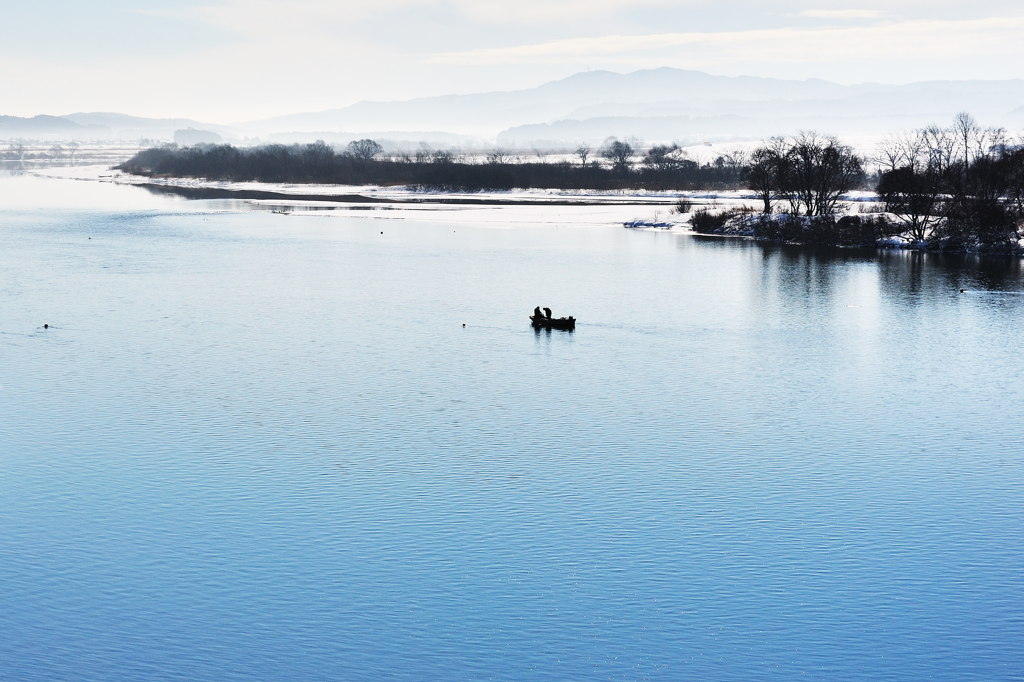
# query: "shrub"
{"type": "Point", "coordinates": [684, 205]}
{"type": "Point", "coordinates": [709, 222]}
{"type": "Point", "coordinates": [862, 231]}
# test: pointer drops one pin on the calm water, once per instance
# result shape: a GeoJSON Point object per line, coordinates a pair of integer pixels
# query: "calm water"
{"type": "Point", "coordinates": [264, 446]}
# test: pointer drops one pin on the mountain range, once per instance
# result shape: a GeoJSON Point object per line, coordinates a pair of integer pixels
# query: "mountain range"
{"type": "Point", "coordinates": [657, 105]}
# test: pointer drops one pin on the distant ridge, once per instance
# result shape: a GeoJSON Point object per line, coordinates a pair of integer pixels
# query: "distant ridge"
{"type": "Point", "coordinates": [13, 126]}
{"type": "Point", "coordinates": [489, 112]}
{"type": "Point", "coordinates": [594, 104]}
{"type": "Point", "coordinates": [98, 126]}
{"type": "Point", "coordinates": [657, 105]}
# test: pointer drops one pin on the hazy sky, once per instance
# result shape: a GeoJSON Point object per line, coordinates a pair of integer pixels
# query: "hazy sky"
{"type": "Point", "coordinates": [234, 60]}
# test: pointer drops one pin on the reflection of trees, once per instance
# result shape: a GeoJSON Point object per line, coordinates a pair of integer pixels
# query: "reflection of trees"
{"type": "Point", "coordinates": [798, 275]}
{"type": "Point", "coordinates": [929, 274]}
{"type": "Point", "coordinates": [807, 273]}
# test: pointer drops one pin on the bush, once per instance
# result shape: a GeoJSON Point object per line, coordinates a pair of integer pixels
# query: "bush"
{"type": "Point", "coordinates": [709, 222]}
{"type": "Point", "coordinates": [862, 231]}
{"type": "Point", "coordinates": [684, 205]}
{"type": "Point", "coordinates": [823, 230]}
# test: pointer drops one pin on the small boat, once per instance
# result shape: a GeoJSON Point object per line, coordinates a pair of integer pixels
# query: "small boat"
{"type": "Point", "coordinates": [541, 322]}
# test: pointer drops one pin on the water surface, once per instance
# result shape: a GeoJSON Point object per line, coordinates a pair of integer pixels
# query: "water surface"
{"type": "Point", "coordinates": [261, 445]}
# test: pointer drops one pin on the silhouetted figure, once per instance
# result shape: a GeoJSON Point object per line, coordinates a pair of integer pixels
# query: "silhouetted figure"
{"type": "Point", "coordinates": [547, 313]}
{"type": "Point", "coordinates": [536, 312]}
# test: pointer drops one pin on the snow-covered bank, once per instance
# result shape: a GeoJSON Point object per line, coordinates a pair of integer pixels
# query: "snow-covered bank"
{"type": "Point", "coordinates": [645, 209]}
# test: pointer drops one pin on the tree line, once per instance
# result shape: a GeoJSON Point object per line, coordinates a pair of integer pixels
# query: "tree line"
{"type": "Point", "coordinates": [958, 188]}
{"type": "Point", "coordinates": [663, 167]}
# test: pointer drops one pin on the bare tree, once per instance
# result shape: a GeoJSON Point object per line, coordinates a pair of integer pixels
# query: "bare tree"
{"type": "Point", "coordinates": [364, 149]}
{"type": "Point", "coordinates": [818, 171]}
{"type": "Point", "coordinates": [619, 153]}
{"type": "Point", "coordinates": [499, 156]}
{"type": "Point", "coordinates": [442, 156]}
{"type": "Point", "coordinates": [663, 157]}
{"type": "Point", "coordinates": [423, 153]}
{"type": "Point", "coordinates": [582, 153]}
{"type": "Point", "coordinates": [766, 171]}
{"type": "Point", "coordinates": [915, 183]}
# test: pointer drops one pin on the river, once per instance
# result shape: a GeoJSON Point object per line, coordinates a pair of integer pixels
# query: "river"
{"type": "Point", "coordinates": [329, 446]}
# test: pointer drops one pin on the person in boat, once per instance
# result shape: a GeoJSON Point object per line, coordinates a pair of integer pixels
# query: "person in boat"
{"type": "Point", "coordinates": [547, 313]}
{"type": "Point", "coordinates": [537, 313]}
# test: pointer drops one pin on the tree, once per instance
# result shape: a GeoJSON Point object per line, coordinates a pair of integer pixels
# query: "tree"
{"type": "Point", "coordinates": [817, 171]}
{"type": "Point", "coordinates": [582, 153]}
{"type": "Point", "coordinates": [766, 170]}
{"type": "Point", "coordinates": [442, 157]}
{"type": "Point", "coordinates": [365, 149]}
{"type": "Point", "coordinates": [499, 156]}
{"type": "Point", "coordinates": [619, 153]}
{"type": "Point", "coordinates": [915, 182]}
{"type": "Point", "coordinates": [663, 157]}
{"type": "Point", "coordinates": [317, 158]}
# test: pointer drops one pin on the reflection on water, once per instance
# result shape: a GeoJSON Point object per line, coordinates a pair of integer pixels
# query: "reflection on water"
{"type": "Point", "coordinates": [973, 273]}
{"type": "Point", "coordinates": [809, 270]}
{"type": "Point", "coordinates": [278, 447]}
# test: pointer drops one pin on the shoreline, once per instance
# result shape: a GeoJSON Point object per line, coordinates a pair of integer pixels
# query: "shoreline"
{"type": "Point", "coordinates": [412, 197]}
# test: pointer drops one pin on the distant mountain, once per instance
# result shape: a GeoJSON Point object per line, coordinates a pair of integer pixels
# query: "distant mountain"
{"type": "Point", "coordinates": [671, 104]}
{"type": "Point", "coordinates": [487, 113]}
{"type": "Point", "coordinates": [656, 105]}
{"type": "Point", "coordinates": [122, 126]}
{"type": "Point", "coordinates": [100, 126]}
{"type": "Point", "coordinates": [40, 126]}
{"type": "Point", "coordinates": [391, 140]}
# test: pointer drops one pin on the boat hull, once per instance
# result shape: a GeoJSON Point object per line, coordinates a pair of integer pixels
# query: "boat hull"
{"type": "Point", "coordinates": [568, 323]}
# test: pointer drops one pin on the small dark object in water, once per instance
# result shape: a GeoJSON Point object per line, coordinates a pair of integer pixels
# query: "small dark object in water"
{"type": "Point", "coordinates": [963, 291]}
{"type": "Point", "coordinates": [568, 323]}
{"type": "Point", "coordinates": [463, 324]}
{"type": "Point", "coordinates": [46, 326]}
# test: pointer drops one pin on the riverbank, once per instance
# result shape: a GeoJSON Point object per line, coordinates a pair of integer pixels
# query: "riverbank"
{"type": "Point", "coordinates": [864, 230]}
{"type": "Point", "coordinates": [720, 213]}
{"type": "Point", "coordinates": [560, 207]}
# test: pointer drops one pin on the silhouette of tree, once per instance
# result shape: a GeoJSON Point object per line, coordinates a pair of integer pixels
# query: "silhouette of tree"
{"type": "Point", "coordinates": [619, 153]}
{"type": "Point", "coordinates": [499, 156]}
{"type": "Point", "coordinates": [583, 153]}
{"type": "Point", "coordinates": [365, 149]}
{"type": "Point", "coordinates": [766, 170]}
{"type": "Point", "coordinates": [816, 171]}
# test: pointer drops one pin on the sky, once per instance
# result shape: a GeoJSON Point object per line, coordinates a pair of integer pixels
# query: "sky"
{"type": "Point", "coordinates": [228, 61]}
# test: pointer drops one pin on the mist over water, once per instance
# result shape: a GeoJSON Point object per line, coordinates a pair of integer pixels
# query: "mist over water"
{"type": "Point", "coordinates": [253, 445]}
